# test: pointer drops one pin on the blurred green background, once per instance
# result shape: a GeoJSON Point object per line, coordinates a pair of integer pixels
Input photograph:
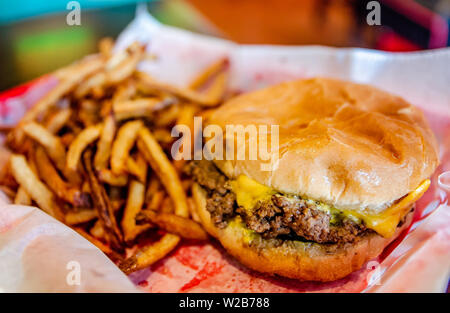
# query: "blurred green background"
{"type": "Point", "coordinates": [35, 38]}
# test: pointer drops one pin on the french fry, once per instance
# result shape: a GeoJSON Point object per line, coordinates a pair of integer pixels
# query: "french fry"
{"type": "Point", "coordinates": [105, 46]}
{"type": "Point", "coordinates": [61, 189]}
{"type": "Point", "coordinates": [104, 98]}
{"type": "Point", "coordinates": [70, 78]}
{"type": "Point", "coordinates": [76, 148]}
{"type": "Point", "coordinates": [100, 245]}
{"type": "Point", "coordinates": [58, 120]}
{"type": "Point", "coordinates": [22, 197]}
{"type": "Point", "coordinates": [183, 93]}
{"type": "Point", "coordinates": [168, 116]}
{"type": "Point", "coordinates": [97, 230]}
{"type": "Point", "coordinates": [181, 226]}
{"type": "Point", "coordinates": [186, 118]}
{"type": "Point", "coordinates": [150, 254]}
{"type": "Point", "coordinates": [107, 176]}
{"type": "Point", "coordinates": [50, 142]}
{"type": "Point", "coordinates": [156, 200]}
{"type": "Point", "coordinates": [166, 206]}
{"type": "Point", "coordinates": [104, 144]}
{"type": "Point", "coordinates": [126, 137]}
{"type": "Point", "coordinates": [206, 75]}
{"type": "Point", "coordinates": [138, 168]}
{"type": "Point", "coordinates": [193, 210]}
{"type": "Point", "coordinates": [163, 136]}
{"type": "Point", "coordinates": [138, 108]}
{"type": "Point", "coordinates": [102, 205]}
{"type": "Point", "coordinates": [216, 91]}
{"type": "Point", "coordinates": [134, 204]}
{"type": "Point", "coordinates": [154, 186]}
{"type": "Point", "coordinates": [86, 86]}
{"type": "Point", "coordinates": [164, 169]}
{"type": "Point", "coordinates": [125, 91]}
{"type": "Point", "coordinates": [127, 66]}
{"type": "Point", "coordinates": [83, 216]}
{"type": "Point", "coordinates": [88, 112]}
{"type": "Point", "coordinates": [33, 186]}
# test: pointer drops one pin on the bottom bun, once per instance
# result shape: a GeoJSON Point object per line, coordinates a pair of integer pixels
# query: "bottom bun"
{"type": "Point", "coordinates": [294, 259]}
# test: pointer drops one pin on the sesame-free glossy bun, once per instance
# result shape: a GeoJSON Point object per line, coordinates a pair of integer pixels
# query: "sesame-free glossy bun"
{"type": "Point", "coordinates": [294, 259]}
{"type": "Point", "coordinates": [349, 145]}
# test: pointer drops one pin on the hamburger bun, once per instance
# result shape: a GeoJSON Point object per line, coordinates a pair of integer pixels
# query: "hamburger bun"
{"type": "Point", "coordinates": [348, 145]}
{"type": "Point", "coordinates": [294, 259]}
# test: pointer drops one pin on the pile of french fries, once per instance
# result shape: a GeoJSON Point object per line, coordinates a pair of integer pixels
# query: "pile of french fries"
{"type": "Point", "coordinates": [94, 153]}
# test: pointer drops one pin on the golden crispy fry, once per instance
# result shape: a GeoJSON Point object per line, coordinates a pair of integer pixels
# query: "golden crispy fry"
{"type": "Point", "coordinates": [187, 184]}
{"type": "Point", "coordinates": [167, 206]}
{"type": "Point", "coordinates": [33, 186]}
{"type": "Point", "coordinates": [183, 93]}
{"type": "Point", "coordinates": [58, 120]}
{"type": "Point", "coordinates": [104, 248]}
{"type": "Point", "coordinates": [67, 139]}
{"type": "Point", "coordinates": [83, 216]}
{"type": "Point", "coordinates": [22, 197]}
{"type": "Point", "coordinates": [193, 210]}
{"type": "Point", "coordinates": [163, 136]}
{"type": "Point", "coordinates": [87, 136]}
{"type": "Point", "coordinates": [125, 91]}
{"type": "Point", "coordinates": [94, 97]}
{"type": "Point", "coordinates": [70, 78]}
{"type": "Point", "coordinates": [164, 169]}
{"type": "Point", "coordinates": [126, 67]}
{"type": "Point", "coordinates": [206, 75]}
{"type": "Point", "coordinates": [106, 108]}
{"type": "Point", "coordinates": [154, 186]}
{"type": "Point", "coordinates": [174, 224]}
{"type": "Point", "coordinates": [97, 230]}
{"type": "Point", "coordinates": [104, 144]}
{"type": "Point", "coordinates": [102, 205]}
{"type": "Point", "coordinates": [51, 177]}
{"type": "Point", "coordinates": [134, 204]}
{"type": "Point", "coordinates": [86, 86]}
{"type": "Point", "coordinates": [186, 118]}
{"type": "Point", "coordinates": [126, 137]}
{"type": "Point", "coordinates": [107, 176]}
{"type": "Point", "coordinates": [50, 142]}
{"type": "Point", "coordinates": [150, 254]}
{"type": "Point", "coordinates": [88, 112]}
{"type": "Point", "coordinates": [216, 91]}
{"type": "Point", "coordinates": [105, 46]}
{"type": "Point", "coordinates": [168, 116]}
{"type": "Point", "coordinates": [143, 107]}
{"type": "Point", "coordinates": [138, 168]}
{"type": "Point", "coordinates": [156, 200]}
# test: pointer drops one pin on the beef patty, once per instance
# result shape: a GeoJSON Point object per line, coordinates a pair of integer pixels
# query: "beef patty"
{"type": "Point", "coordinates": [278, 216]}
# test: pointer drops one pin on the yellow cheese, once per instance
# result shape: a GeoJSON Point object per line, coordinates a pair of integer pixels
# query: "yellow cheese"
{"type": "Point", "coordinates": [249, 192]}
{"type": "Point", "coordinates": [386, 222]}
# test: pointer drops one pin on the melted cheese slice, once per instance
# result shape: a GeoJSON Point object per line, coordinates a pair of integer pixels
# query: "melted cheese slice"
{"type": "Point", "coordinates": [249, 192]}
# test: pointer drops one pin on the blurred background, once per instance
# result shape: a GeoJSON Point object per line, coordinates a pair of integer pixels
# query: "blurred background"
{"type": "Point", "coordinates": [35, 37]}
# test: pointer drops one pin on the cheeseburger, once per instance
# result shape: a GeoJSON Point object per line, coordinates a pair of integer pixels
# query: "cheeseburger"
{"type": "Point", "coordinates": [351, 161]}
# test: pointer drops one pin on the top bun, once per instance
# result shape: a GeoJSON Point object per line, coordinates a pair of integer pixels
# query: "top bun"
{"type": "Point", "coordinates": [349, 145]}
